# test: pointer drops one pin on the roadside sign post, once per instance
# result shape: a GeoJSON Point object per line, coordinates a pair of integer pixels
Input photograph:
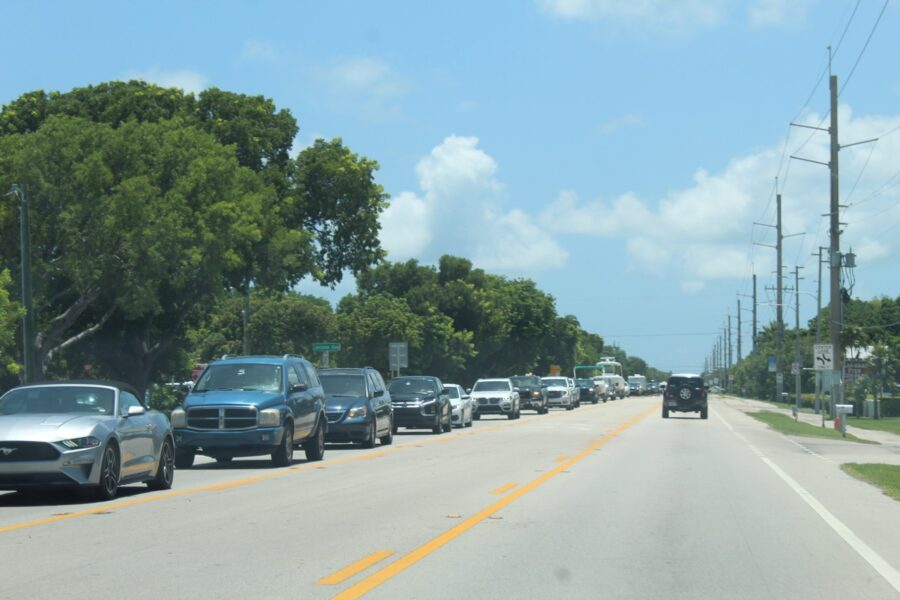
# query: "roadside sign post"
{"type": "Point", "coordinates": [326, 348]}
{"type": "Point", "coordinates": [398, 357]}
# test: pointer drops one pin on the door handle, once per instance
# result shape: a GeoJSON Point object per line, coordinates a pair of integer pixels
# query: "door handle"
{"type": "Point", "coordinates": [150, 427]}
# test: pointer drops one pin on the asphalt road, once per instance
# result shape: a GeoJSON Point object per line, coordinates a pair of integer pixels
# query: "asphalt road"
{"type": "Point", "coordinates": [607, 501]}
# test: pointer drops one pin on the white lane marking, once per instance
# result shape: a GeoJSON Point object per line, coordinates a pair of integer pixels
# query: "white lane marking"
{"type": "Point", "coordinates": [874, 559]}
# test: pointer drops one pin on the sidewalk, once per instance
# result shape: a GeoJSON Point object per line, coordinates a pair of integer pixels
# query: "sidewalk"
{"type": "Point", "coordinates": [882, 437]}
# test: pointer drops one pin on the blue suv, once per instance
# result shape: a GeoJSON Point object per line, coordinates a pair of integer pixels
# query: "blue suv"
{"type": "Point", "coordinates": [252, 405]}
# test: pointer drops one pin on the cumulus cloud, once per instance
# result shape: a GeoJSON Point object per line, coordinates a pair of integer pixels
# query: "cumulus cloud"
{"type": "Point", "coordinates": [461, 210]}
{"type": "Point", "coordinates": [189, 81]}
{"type": "Point", "coordinates": [703, 231]}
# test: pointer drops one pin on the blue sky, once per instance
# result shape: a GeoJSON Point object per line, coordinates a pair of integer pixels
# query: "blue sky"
{"type": "Point", "coordinates": [617, 152]}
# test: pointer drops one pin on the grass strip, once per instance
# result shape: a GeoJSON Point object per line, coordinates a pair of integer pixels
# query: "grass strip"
{"type": "Point", "coordinates": [788, 426]}
{"type": "Point", "coordinates": [886, 477]}
{"type": "Point", "coordinates": [889, 424]}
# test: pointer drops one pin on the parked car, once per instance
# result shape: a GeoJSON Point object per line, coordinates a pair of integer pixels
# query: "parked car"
{"type": "Point", "coordinates": [96, 435]}
{"type": "Point", "coordinates": [421, 402]}
{"type": "Point", "coordinates": [496, 396]}
{"type": "Point", "coordinates": [685, 393]}
{"type": "Point", "coordinates": [462, 414]}
{"type": "Point", "coordinates": [252, 405]}
{"type": "Point", "coordinates": [358, 406]}
{"type": "Point", "coordinates": [558, 392]}
{"type": "Point", "coordinates": [532, 393]}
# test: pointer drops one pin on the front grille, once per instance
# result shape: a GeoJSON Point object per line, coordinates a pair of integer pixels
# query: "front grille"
{"type": "Point", "coordinates": [334, 417]}
{"type": "Point", "coordinates": [554, 394]}
{"type": "Point", "coordinates": [222, 417]}
{"type": "Point", "coordinates": [26, 451]}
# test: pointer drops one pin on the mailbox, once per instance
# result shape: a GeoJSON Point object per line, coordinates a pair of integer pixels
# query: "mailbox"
{"type": "Point", "coordinates": [841, 412]}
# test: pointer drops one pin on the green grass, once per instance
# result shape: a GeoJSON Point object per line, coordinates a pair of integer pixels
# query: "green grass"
{"type": "Point", "coordinates": [889, 424]}
{"type": "Point", "coordinates": [886, 477]}
{"type": "Point", "coordinates": [788, 426]}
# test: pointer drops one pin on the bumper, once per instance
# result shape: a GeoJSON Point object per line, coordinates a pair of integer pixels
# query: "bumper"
{"type": "Point", "coordinates": [250, 442]}
{"type": "Point", "coordinates": [495, 409]}
{"type": "Point", "coordinates": [352, 431]}
{"type": "Point", "coordinates": [559, 402]}
{"type": "Point", "coordinates": [72, 468]}
{"type": "Point", "coordinates": [676, 406]}
{"type": "Point", "coordinates": [531, 402]}
{"type": "Point", "coordinates": [415, 418]}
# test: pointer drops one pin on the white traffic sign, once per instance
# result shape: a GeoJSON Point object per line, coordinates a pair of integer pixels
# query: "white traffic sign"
{"type": "Point", "coordinates": [823, 357]}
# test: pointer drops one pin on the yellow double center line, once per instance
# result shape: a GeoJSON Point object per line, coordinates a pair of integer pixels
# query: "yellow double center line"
{"type": "Point", "coordinates": [407, 560]}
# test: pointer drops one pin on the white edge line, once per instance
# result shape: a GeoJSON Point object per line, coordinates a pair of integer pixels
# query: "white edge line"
{"type": "Point", "coordinates": [874, 559]}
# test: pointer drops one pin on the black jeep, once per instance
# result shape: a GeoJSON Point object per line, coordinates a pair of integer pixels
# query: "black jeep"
{"type": "Point", "coordinates": [685, 393]}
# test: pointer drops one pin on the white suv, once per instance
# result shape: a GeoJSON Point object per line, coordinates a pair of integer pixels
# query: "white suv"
{"type": "Point", "coordinates": [497, 397]}
{"type": "Point", "coordinates": [558, 392]}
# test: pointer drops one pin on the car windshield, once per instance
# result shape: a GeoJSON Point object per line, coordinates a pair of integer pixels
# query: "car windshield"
{"type": "Point", "coordinates": [343, 384]}
{"type": "Point", "coordinates": [58, 400]}
{"type": "Point", "coordinates": [556, 381]}
{"type": "Point", "coordinates": [525, 380]}
{"type": "Point", "coordinates": [241, 376]}
{"type": "Point", "coordinates": [584, 382]}
{"type": "Point", "coordinates": [491, 386]}
{"type": "Point", "coordinates": [411, 386]}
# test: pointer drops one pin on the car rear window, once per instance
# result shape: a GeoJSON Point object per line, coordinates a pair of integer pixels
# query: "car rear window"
{"type": "Point", "coordinates": [694, 381]}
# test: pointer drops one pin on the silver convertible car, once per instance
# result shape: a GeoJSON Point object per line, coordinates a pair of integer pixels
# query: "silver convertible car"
{"type": "Point", "coordinates": [91, 434]}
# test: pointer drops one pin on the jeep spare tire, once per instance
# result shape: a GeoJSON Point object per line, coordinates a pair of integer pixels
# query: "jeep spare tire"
{"type": "Point", "coordinates": [685, 392]}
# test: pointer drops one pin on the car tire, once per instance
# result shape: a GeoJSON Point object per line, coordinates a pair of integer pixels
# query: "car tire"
{"type": "Point", "coordinates": [315, 448]}
{"type": "Point", "coordinates": [109, 474]}
{"type": "Point", "coordinates": [165, 472]}
{"type": "Point", "coordinates": [184, 459]}
{"type": "Point", "coordinates": [665, 412]}
{"type": "Point", "coordinates": [371, 438]}
{"type": "Point", "coordinates": [388, 438]}
{"type": "Point", "coordinates": [284, 454]}
{"type": "Point", "coordinates": [703, 412]}
{"type": "Point", "coordinates": [570, 407]}
{"type": "Point", "coordinates": [449, 426]}
{"type": "Point", "coordinates": [477, 416]}
{"type": "Point", "coordinates": [438, 427]}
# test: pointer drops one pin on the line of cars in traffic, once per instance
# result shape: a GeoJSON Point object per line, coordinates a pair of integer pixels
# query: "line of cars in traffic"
{"type": "Point", "coordinates": [98, 435]}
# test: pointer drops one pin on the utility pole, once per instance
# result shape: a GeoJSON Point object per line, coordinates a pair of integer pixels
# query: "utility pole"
{"type": "Point", "coordinates": [739, 330]}
{"type": "Point", "coordinates": [728, 358]}
{"type": "Point", "coordinates": [835, 309]}
{"type": "Point", "coordinates": [20, 192]}
{"type": "Point", "coordinates": [779, 313]}
{"type": "Point", "coordinates": [754, 311]}
{"type": "Point", "coordinates": [797, 360]}
{"type": "Point", "coordinates": [819, 334]}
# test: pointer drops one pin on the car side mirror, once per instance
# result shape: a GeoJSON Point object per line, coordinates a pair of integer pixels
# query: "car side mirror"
{"type": "Point", "coordinates": [299, 387]}
{"type": "Point", "coordinates": [515, 389]}
{"type": "Point", "coordinates": [378, 393]}
{"type": "Point", "coordinates": [134, 411]}
{"type": "Point", "coordinates": [468, 390]}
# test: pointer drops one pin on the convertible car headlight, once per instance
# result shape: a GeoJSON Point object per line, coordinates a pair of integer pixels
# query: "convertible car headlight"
{"type": "Point", "coordinates": [80, 443]}
{"type": "Point", "coordinates": [178, 418]}
{"type": "Point", "coordinates": [270, 417]}
{"type": "Point", "coordinates": [357, 411]}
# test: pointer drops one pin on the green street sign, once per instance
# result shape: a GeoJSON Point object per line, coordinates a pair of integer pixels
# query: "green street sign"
{"type": "Point", "coordinates": [326, 347]}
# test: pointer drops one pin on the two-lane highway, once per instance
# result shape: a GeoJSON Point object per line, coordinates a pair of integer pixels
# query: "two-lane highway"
{"type": "Point", "coordinates": [605, 501]}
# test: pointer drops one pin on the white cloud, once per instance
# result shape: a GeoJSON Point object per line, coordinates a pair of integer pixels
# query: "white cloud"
{"type": "Point", "coordinates": [769, 13]}
{"type": "Point", "coordinates": [703, 231]}
{"type": "Point", "coordinates": [259, 50]}
{"type": "Point", "coordinates": [622, 122]}
{"type": "Point", "coordinates": [692, 287]}
{"type": "Point", "coordinates": [189, 81]}
{"type": "Point", "coordinates": [367, 82]}
{"type": "Point", "coordinates": [461, 211]}
{"type": "Point", "coordinates": [405, 226]}
{"type": "Point", "coordinates": [681, 15]}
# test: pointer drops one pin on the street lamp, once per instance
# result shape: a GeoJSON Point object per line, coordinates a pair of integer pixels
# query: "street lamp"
{"type": "Point", "coordinates": [24, 247]}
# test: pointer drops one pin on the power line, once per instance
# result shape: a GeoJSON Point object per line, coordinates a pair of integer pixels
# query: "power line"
{"type": "Point", "coordinates": [866, 45]}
